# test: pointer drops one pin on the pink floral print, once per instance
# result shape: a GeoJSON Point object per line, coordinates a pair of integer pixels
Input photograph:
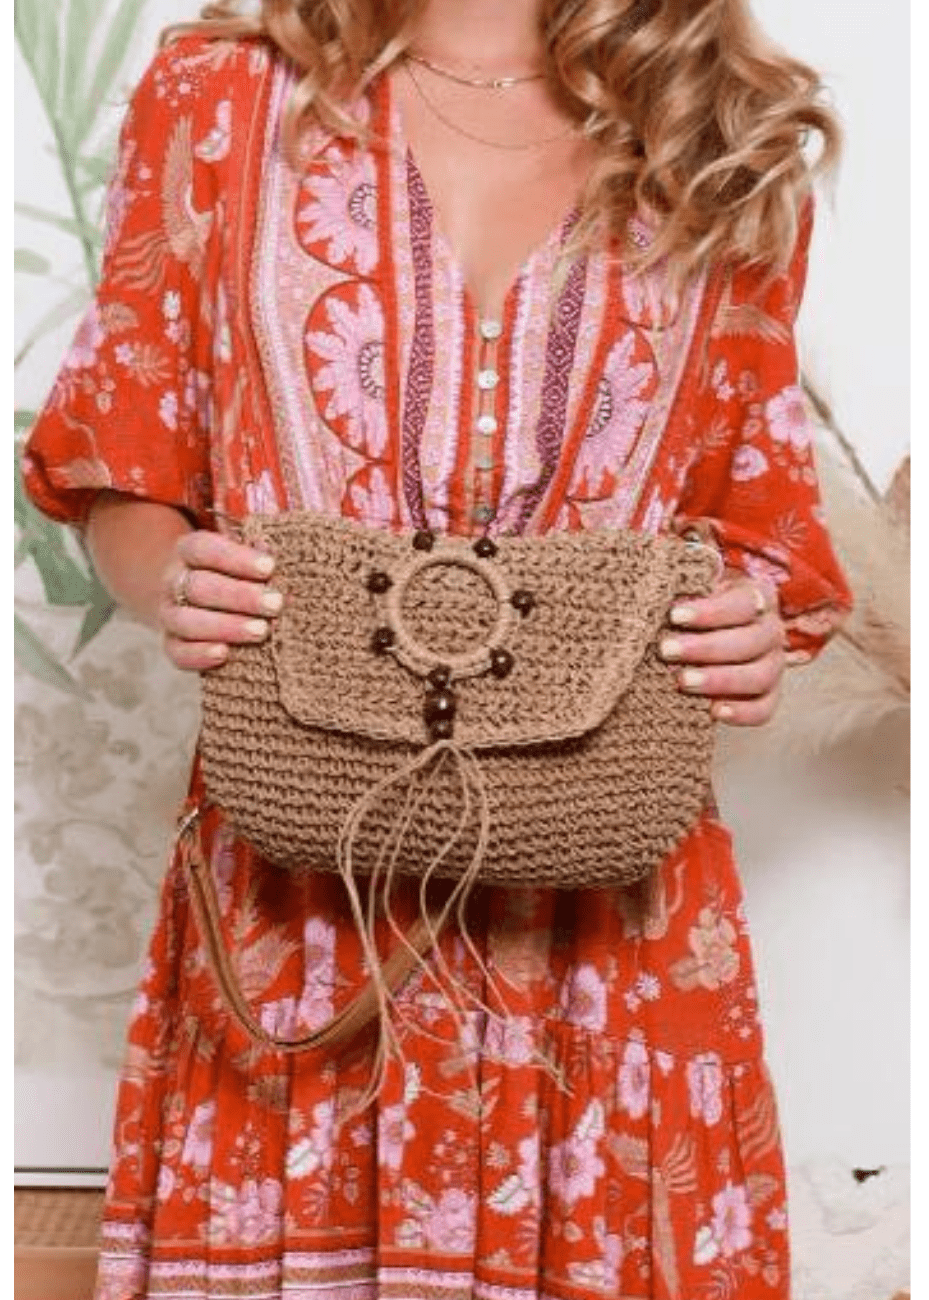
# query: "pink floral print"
{"type": "Point", "coordinates": [732, 1218]}
{"type": "Point", "coordinates": [574, 1165]}
{"type": "Point", "coordinates": [349, 378]}
{"type": "Point", "coordinates": [314, 1151]}
{"type": "Point", "coordinates": [621, 407]}
{"type": "Point", "coordinates": [749, 463]}
{"type": "Point", "coordinates": [584, 998]}
{"type": "Point", "coordinates": [82, 353]}
{"type": "Point", "coordinates": [198, 1145]}
{"type": "Point", "coordinates": [634, 1079]}
{"type": "Point", "coordinates": [789, 419]}
{"type": "Point", "coordinates": [393, 1132]}
{"type": "Point", "coordinates": [444, 1224]}
{"type": "Point", "coordinates": [705, 1084]}
{"type": "Point", "coordinates": [338, 209]}
{"type": "Point", "coordinates": [712, 942]}
{"type": "Point", "coordinates": [246, 1215]}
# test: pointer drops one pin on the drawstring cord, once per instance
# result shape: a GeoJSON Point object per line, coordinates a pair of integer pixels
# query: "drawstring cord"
{"type": "Point", "coordinates": [377, 1000]}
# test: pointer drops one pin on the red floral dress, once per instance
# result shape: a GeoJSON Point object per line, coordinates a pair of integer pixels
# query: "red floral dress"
{"type": "Point", "coordinates": [268, 337]}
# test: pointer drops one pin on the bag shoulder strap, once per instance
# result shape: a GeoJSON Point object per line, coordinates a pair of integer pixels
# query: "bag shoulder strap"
{"type": "Point", "coordinates": [362, 1009]}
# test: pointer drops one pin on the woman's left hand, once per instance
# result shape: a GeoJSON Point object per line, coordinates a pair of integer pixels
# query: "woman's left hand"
{"type": "Point", "coordinates": [730, 646]}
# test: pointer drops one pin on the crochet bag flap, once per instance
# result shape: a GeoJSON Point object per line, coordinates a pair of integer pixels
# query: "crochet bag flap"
{"type": "Point", "coordinates": [540, 637]}
{"type": "Point", "coordinates": [508, 689]}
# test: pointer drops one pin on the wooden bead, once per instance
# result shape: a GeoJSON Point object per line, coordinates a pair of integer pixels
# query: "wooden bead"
{"type": "Point", "coordinates": [423, 540]}
{"type": "Point", "coordinates": [379, 582]}
{"type": "Point", "coordinates": [501, 663]}
{"type": "Point", "coordinates": [439, 706]}
{"type": "Point", "coordinates": [484, 548]}
{"type": "Point", "coordinates": [523, 601]}
{"type": "Point", "coordinates": [440, 677]}
{"type": "Point", "coordinates": [382, 640]}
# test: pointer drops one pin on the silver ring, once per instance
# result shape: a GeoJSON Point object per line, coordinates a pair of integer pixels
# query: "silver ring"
{"type": "Point", "coordinates": [181, 584]}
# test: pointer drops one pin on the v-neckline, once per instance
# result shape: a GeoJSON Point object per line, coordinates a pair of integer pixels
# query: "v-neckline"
{"type": "Point", "coordinates": [555, 236]}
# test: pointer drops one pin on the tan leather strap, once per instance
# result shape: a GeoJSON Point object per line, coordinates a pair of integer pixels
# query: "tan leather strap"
{"type": "Point", "coordinates": [350, 1021]}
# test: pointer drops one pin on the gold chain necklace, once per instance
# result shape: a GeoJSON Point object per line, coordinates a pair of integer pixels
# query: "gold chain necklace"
{"type": "Point", "coordinates": [478, 139]}
{"type": "Point", "coordinates": [477, 83]}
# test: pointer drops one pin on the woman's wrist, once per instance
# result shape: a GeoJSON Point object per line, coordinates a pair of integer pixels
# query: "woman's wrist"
{"type": "Point", "coordinates": [133, 543]}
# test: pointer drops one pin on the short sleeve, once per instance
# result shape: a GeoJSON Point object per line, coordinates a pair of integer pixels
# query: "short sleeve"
{"type": "Point", "coordinates": [753, 484]}
{"type": "Point", "coordinates": [130, 408]}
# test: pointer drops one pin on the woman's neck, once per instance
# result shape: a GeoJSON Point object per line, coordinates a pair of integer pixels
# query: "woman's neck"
{"type": "Point", "coordinates": [489, 37]}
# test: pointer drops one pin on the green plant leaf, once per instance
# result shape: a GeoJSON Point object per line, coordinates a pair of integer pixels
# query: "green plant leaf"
{"type": "Point", "coordinates": [26, 26]}
{"type": "Point", "coordinates": [43, 540]}
{"type": "Point", "coordinates": [64, 310]}
{"type": "Point", "coordinates": [95, 620]}
{"type": "Point", "coordinates": [24, 259]}
{"type": "Point", "coordinates": [23, 419]}
{"type": "Point", "coordinates": [112, 57]}
{"type": "Point", "coordinates": [83, 17]}
{"type": "Point", "coordinates": [34, 657]}
{"type": "Point", "coordinates": [80, 229]}
{"type": "Point", "coordinates": [96, 169]}
{"type": "Point", "coordinates": [36, 25]}
{"type": "Point", "coordinates": [62, 580]}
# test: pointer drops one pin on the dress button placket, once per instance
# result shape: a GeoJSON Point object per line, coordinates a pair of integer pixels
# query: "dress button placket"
{"type": "Point", "coordinates": [486, 424]}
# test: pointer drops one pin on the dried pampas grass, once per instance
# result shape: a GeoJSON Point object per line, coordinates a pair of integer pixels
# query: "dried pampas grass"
{"type": "Point", "coordinates": [864, 676]}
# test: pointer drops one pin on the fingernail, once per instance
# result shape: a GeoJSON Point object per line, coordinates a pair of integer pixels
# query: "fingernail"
{"type": "Point", "coordinates": [723, 712]}
{"type": "Point", "coordinates": [256, 628]}
{"type": "Point", "coordinates": [264, 565]}
{"type": "Point", "coordinates": [217, 652]}
{"type": "Point", "coordinates": [682, 614]}
{"type": "Point", "coordinates": [692, 678]}
{"type": "Point", "coordinates": [272, 602]}
{"type": "Point", "coordinates": [670, 648]}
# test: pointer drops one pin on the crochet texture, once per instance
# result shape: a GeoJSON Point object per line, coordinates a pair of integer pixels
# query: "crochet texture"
{"type": "Point", "coordinates": [594, 765]}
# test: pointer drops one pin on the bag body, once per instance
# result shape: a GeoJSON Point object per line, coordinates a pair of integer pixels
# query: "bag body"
{"type": "Point", "coordinates": [510, 689]}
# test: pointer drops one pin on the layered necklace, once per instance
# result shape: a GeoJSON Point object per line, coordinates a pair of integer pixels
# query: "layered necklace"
{"type": "Point", "coordinates": [476, 83]}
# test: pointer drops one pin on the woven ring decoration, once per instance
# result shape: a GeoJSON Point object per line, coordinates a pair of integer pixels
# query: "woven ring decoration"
{"type": "Point", "coordinates": [418, 658]}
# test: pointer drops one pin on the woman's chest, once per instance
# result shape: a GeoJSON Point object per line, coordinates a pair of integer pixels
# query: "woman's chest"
{"type": "Point", "coordinates": [379, 390]}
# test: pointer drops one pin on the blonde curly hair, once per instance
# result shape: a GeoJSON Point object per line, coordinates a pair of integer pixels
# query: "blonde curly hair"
{"type": "Point", "coordinates": [701, 123]}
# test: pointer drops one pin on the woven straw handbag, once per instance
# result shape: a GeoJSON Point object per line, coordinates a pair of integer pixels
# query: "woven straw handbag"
{"type": "Point", "coordinates": [490, 710]}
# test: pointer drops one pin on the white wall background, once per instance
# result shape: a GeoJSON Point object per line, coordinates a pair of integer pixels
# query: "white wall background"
{"type": "Point", "coordinates": [854, 325]}
{"type": "Point", "coordinates": [823, 847]}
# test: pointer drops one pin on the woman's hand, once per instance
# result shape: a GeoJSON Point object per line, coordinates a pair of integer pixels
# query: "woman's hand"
{"type": "Point", "coordinates": [214, 594]}
{"type": "Point", "coordinates": [732, 643]}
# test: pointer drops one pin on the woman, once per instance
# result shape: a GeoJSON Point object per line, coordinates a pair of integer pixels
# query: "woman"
{"type": "Point", "coordinates": [482, 268]}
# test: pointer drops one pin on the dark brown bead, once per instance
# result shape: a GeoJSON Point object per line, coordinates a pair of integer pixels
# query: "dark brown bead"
{"type": "Point", "coordinates": [501, 663]}
{"type": "Point", "coordinates": [440, 677]}
{"type": "Point", "coordinates": [438, 706]}
{"type": "Point", "coordinates": [382, 640]}
{"type": "Point", "coordinates": [484, 548]}
{"type": "Point", "coordinates": [523, 601]}
{"type": "Point", "coordinates": [442, 730]}
{"type": "Point", "coordinates": [379, 582]}
{"type": "Point", "coordinates": [423, 540]}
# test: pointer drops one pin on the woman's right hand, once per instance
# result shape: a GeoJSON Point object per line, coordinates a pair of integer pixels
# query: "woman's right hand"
{"type": "Point", "coordinates": [215, 594]}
